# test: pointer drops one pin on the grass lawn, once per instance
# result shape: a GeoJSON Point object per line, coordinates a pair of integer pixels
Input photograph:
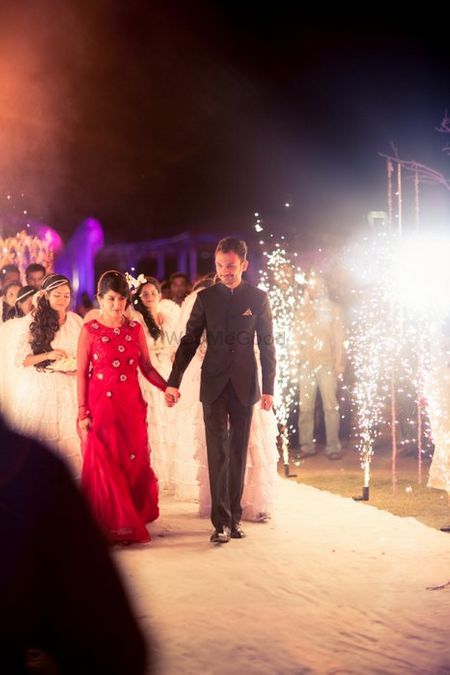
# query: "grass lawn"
{"type": "Point", "coordinates": [345, 477]}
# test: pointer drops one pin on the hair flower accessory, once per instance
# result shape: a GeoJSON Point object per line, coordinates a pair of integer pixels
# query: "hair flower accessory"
{"type": "Point", "coordinates": [134, 283]}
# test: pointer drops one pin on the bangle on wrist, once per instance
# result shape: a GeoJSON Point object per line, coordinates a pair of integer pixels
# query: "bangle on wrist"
{"type": "Point", "coordinates": [83, 412]}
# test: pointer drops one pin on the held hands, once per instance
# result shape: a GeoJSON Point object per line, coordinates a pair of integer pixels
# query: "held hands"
{"type": "Point", "coordinates": [84, 426]}
{"type": "Point", "coordinates": [266, 401]}
{"type": "Point", "coordinates": [172, 396]}
{"type": "Point", "coordinates": [57, 354]}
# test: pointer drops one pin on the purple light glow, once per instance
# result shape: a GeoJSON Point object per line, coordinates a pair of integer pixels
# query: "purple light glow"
{"type": "Point", "coordinates": [77, 260]}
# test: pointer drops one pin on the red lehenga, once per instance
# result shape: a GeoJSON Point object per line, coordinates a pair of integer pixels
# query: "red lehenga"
{"type": "Point", "coordinates": [117, 479]}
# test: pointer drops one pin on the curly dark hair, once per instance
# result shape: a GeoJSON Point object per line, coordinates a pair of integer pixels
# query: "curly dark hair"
{"type": "Point", "coordinates": [45, 324]}
{"type": "Point", "coordinates": [150, 322]}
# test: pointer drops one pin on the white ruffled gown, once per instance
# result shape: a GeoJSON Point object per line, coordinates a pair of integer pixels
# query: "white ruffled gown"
{"type": "Point", "coordinates": [160, 418]}
{"type": "Point", "coordinates": [190, 469]}
{"type": "Point", "coordinates": [9, 371]}
{"type": "Point", "coordinates": [45, 405]}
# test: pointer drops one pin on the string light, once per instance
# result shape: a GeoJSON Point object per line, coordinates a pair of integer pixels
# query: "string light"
{"type": "Point", "coordinates": [23, 249]}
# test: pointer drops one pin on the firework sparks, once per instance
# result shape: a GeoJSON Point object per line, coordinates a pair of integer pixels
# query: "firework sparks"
{"type": "Point", "coordinates": [395, 331]}
{"type": "Point", "coordinates": [282, 280]}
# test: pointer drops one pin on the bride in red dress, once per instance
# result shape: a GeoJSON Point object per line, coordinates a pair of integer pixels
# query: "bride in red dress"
{"type": "Point", "coordinates": [117, 479]}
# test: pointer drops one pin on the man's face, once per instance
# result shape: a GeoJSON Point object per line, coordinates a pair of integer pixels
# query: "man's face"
{"type": "Point", "coordinates": [178, 288]}
{"type": "Point", "coordinates": [230, 268]}
{"type": "Point", "coordinates": [35, 278]}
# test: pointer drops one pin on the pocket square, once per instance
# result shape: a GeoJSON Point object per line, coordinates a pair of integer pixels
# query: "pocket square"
{"type": "Point", "coordinates": [248, 312]}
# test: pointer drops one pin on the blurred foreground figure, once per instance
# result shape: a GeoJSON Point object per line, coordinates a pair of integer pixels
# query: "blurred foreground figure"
{"type": "Point", "coordinates": [60, 593]}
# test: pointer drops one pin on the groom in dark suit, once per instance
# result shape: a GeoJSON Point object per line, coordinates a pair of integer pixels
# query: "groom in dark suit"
{"type": "Point", "coordinates": [232, 312]}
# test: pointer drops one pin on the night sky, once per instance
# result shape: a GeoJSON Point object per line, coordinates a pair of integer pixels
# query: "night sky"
{"type": "Point", "coordinates": [159, 118]}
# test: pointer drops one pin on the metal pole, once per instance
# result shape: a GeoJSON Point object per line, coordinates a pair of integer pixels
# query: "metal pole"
{"type": "Point", "coordinates": [417, 203]}
{"type": "Point", "coordinates": [389, 169]}
{"type": "Point", "coordinates": [399, 197]}
{"type": "Point", "coordinates": [394, 434]}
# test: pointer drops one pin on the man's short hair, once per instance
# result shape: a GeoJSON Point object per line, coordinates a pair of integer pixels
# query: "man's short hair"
{"type": "Point", "coordinates": [232, 245]}
{"type": "Point", "coordinates": [179, 275]}
{"type": "Point", "coordinates": [35, 267]}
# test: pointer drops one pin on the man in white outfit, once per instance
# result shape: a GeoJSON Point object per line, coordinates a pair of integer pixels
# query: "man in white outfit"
{"type": "Point", "coordinates": [321, 365]}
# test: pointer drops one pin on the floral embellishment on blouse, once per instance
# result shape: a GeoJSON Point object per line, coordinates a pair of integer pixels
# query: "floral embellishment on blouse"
{"type": "Point", "coordinates": [128, 338]}
{"type": "Point", "coordinates": [123, 378]}
{"type": "Point", "coordinates": [121, 348]}
{"type": "Point", "coordinates": [117, 331]}
{"type": "Point", "coordinates": [116, 363]}
{"type": "Point", "coordinates": [131, 361]}
{"type": "Point", "coordinates": [95, 356]}
{"type": "Point", "coordinates": [105, 338]}
{"type": "Point", "coordinates": [132, 324]}
{"type": "Point", "coordinates": [109, 394]}
{"type": "Point", "coordinates": [95, 325]}
{"type": "Point", "coordinates": [100, 376]}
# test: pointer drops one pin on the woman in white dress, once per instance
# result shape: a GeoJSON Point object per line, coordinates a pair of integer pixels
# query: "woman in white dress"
{"type": "Point", "coordinates": [160, 319]}
{"type": "Point", "coordinates": [190, 468]}
{"type": "Point", "coordinates": [46, 387]}
{"type": "Point", "coordinates": [9, 332]}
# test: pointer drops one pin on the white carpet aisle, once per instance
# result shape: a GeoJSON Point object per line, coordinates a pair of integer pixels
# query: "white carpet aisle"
{"type": "Point", "coordinates": [328, 586]}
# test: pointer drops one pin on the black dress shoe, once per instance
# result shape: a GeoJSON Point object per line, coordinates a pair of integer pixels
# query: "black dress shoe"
{"type": "Point", "coordinates": [237, 532]}
{"type": "Point", "coordinates": [221, 536]}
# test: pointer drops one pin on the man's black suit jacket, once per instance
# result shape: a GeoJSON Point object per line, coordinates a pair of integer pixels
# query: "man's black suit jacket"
{"type": "Point", "coordinates": [231, 320]}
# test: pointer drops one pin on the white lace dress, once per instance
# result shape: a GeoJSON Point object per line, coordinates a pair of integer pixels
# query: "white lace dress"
{"type": "Point", "coordinates": [190, 470]}
{"type": "Point", "coordinates": [46, 405]}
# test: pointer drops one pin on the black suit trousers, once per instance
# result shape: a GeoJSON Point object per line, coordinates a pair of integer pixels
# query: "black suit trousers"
{"type": "Point", "coordinates": [227, 425]}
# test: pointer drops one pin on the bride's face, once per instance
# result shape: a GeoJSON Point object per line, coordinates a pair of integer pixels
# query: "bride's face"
{"type": "Point", "coordinates": [150, 296]}
{"type": "Point", "coordinates": [112, 305]}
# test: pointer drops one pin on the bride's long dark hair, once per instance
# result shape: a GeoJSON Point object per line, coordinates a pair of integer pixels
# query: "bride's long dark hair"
{"type": "Point", "coordinates": [150, 322]}
{"type": "Point", "coordinates": [45, 322]}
